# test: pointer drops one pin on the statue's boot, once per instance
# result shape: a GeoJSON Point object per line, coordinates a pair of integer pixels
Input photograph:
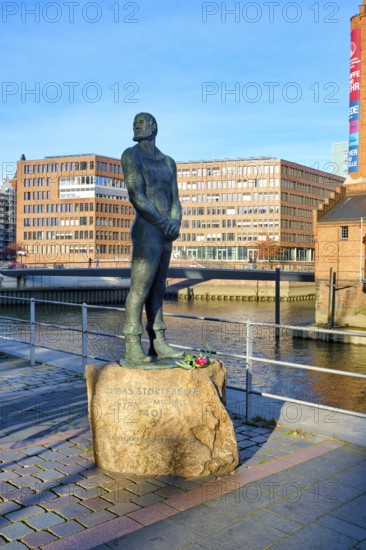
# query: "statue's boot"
{"type": "Point", "coordinates": [133, 350]}
{"type": "Point", "coordinates": [160, 347]}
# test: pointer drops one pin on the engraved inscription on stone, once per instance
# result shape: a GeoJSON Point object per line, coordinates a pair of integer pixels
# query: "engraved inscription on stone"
{"type": "Point", "coordinates": [169, 422]}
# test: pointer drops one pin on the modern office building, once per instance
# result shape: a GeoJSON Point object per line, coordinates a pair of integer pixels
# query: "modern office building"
{"type": "Point", "coordinates": [339, 165]}
{"type": "Point", "coordinates": [340, 225]}
{"type": "Point", "coordinates": [76, 207]}
{"type": "Point", "coordinates": [229, 206]}
{"type": "Point", "coordinates": [7, 216]}
{"type": "Point", "coordinates": [72, 208]}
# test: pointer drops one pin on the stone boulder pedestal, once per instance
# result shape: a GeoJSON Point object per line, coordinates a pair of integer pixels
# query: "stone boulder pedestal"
{"type": "Point", "coordinates": [168, 421]}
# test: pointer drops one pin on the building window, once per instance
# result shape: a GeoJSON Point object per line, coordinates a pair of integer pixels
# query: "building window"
{"type": "Point", "coordinates": [344, 233]}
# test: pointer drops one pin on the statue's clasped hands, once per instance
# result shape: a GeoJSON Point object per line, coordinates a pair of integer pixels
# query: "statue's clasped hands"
{"type": "Point", "coordinates": [170, 228]}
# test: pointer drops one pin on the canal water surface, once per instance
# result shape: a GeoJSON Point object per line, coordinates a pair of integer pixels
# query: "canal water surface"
{"type": "Point", "coordinates": [332, 390]}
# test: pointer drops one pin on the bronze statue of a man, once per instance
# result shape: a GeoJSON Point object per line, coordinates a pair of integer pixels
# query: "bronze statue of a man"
{"type": "Point", "coordinates": [151, 181]}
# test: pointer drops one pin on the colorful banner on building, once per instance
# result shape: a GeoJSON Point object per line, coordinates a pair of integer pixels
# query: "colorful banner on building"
{"type": "Point", "coordinates": [354, 100]}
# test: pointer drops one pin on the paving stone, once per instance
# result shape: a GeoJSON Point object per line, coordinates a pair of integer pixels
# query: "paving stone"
{"type": "Point", "coordinates": [4, 522]}
{"type": "Point", "coordinates": [92, 472]}
{"type": "Point", "coordinates": [52, 455]}
{"type": "Point", "coordinates": [9, 466]}
{"type": "Point", "coordinates": [70, 469]}
{"type": "Point", "coordinates": [243, 534]}
{"type": "Point", "coordinates": [316, 537]}
{"type": "Point", "coordinates": [66, 529]}
{"type": "Point", "coordinates": [50, 465]}
{"type": "Point", "coordinates": [152, 514]}
{"type": "Point", "coordinates": [203, 480]}
{"type": "Point", "coordinates": [123, 508]}
{"type": "Point", "coordinates": [24, 513]}
{"type": "Point", "coordinates": [71, 479]}
{"type": "Point", "coordinates": [7, 489]}
{"type": "Point", "coordinates": [16, 545]}
{"type": "Point", "coordinates": [247, 443]}
{"type": "Point", "coordinates": [194, 546]}
{"type": "Point", "coordinates": [45, 520]}
{"type": "Point", "coordinates": [310, 504]}
{"type": "Point", "coordinates": [241, 437]}
{"type": "Point", "coordinates": [81, 440]}
{"type": "Point", "coordinates": [186, 485]}
{"type": "Point", "coordinates": [353, 512]}
{"type": "Point", "coordinates": [240, 503]}
{"type": "Point", "coordinates": [202, 520]}
{"type": "Point", "coordinates": [275, 452]}
{"type": "Point", "coordinates": [15, 531]}
{"type": "Point", "coordinates": [159, 536]}
{"type": "Point", "coordinates": [246, 454]}
{"type": "Point", "coordinates": [79, 460]}
{"type": "Point", "coordinates": [29, 470]}
{"type": "Point", "coordinates": [355, 477]}
{"type": "Point", "coordinates": [75, 450]}
{"type": "Point", "coordinates": [30, 461]}
{"type": "Point", "coordinates": [10, 456]}
{"type": "Point", "coordinates": [116, 497]}
{"type": "Point", "coordinates": [98, 480]}
{"type": "Point", "coordinates": [64, 489]}
{"type": "Point", "coordinates": [255, 459]}
{"type": "Point", "coordinates": [147, 500]}
{"type": "Point", "coordinates": [36, 540]}
{"type": "Point", "coordinates": [96, 503]}
{"type": "Point", "coordinates": [343, 527]}
{"type": "Point", "coordinates": [60, 445]}
{"type": "Point", "coordinates": [118, 484]}
{"type": "Point", "coordinates": [29, 498]}
{"type": "Point", "coordinates": [8, 507]}
{"type": "Point", "coordinates": [142, 488]}
{"type": "Point", "coordinates": [50, 475]}
{"type": "Point", "coordinates": [69, 460]}
{"type": "Point", "coordinates": [73, 511]}
{"type": "Point", "coordinates": [7, 476]}
{"type": "Point", "coordinates": [170, 480]}
{"type": "Point", "coordinates": [169, 491]}
{"type": "Point", "coordinates": [96, 518]}
{"type": "Point", "coordinates": [354, 448]}
{"type": "Point", "coordinates": [259, 439]}
{"type": "Point", "coordinates": [344, 458]}
{"type": "Point", "coordinates": [35, 450]}
{"type": "Point", "coordinates": [277, 522]}
{"type": "Point", "coordinates": [60, 502]}
{"type": "Point", "coordinates": [332, 492]}
{"type": "Point", "coordinates": [84, 494]}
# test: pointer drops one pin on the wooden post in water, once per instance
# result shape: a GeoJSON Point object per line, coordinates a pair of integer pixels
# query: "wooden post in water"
{"type": "Point", "coordinates": [331, 298]}
{"type": "Point", "coordinates": [277, 301]}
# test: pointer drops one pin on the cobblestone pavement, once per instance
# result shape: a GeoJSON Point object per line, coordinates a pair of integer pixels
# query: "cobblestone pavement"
{"type": "Point", "coordinates": [291, 489]}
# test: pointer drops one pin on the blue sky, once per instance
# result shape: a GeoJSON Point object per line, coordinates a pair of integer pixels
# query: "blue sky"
{"type": "Point", "coordinates": [93, 65]}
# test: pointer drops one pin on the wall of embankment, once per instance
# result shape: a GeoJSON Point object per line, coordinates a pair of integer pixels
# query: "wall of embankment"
{"type": "Point", "coordinates": [256, 291]}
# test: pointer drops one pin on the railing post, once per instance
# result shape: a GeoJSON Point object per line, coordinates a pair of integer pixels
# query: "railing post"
{"type": "Point", "coordinates": [249, 372]}
{"type": "Point", "coordinates": [84, 336]}
{"type": "Point", "coordinates": [32, 331]}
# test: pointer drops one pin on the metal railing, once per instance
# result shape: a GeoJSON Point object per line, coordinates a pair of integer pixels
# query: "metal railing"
{"type": "Point", "coordinates": [249, 357]}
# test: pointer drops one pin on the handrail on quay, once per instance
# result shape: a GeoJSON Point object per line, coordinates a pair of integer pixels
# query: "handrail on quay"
{"type": "Point", "coordinates": [250, 357]}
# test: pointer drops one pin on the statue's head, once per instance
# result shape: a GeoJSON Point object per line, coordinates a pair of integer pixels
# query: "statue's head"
{"type": "Point", "coordinates": [144, 127]}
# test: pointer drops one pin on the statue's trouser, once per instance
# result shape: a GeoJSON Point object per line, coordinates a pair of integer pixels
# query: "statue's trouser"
{"type": "Point", "coordinates": [150, 265]}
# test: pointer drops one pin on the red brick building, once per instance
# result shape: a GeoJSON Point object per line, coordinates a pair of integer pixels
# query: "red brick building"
{"type": "Point", "coordinates": [72, 208]}
{"type": "Point", "coordinates": [340, 225]}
